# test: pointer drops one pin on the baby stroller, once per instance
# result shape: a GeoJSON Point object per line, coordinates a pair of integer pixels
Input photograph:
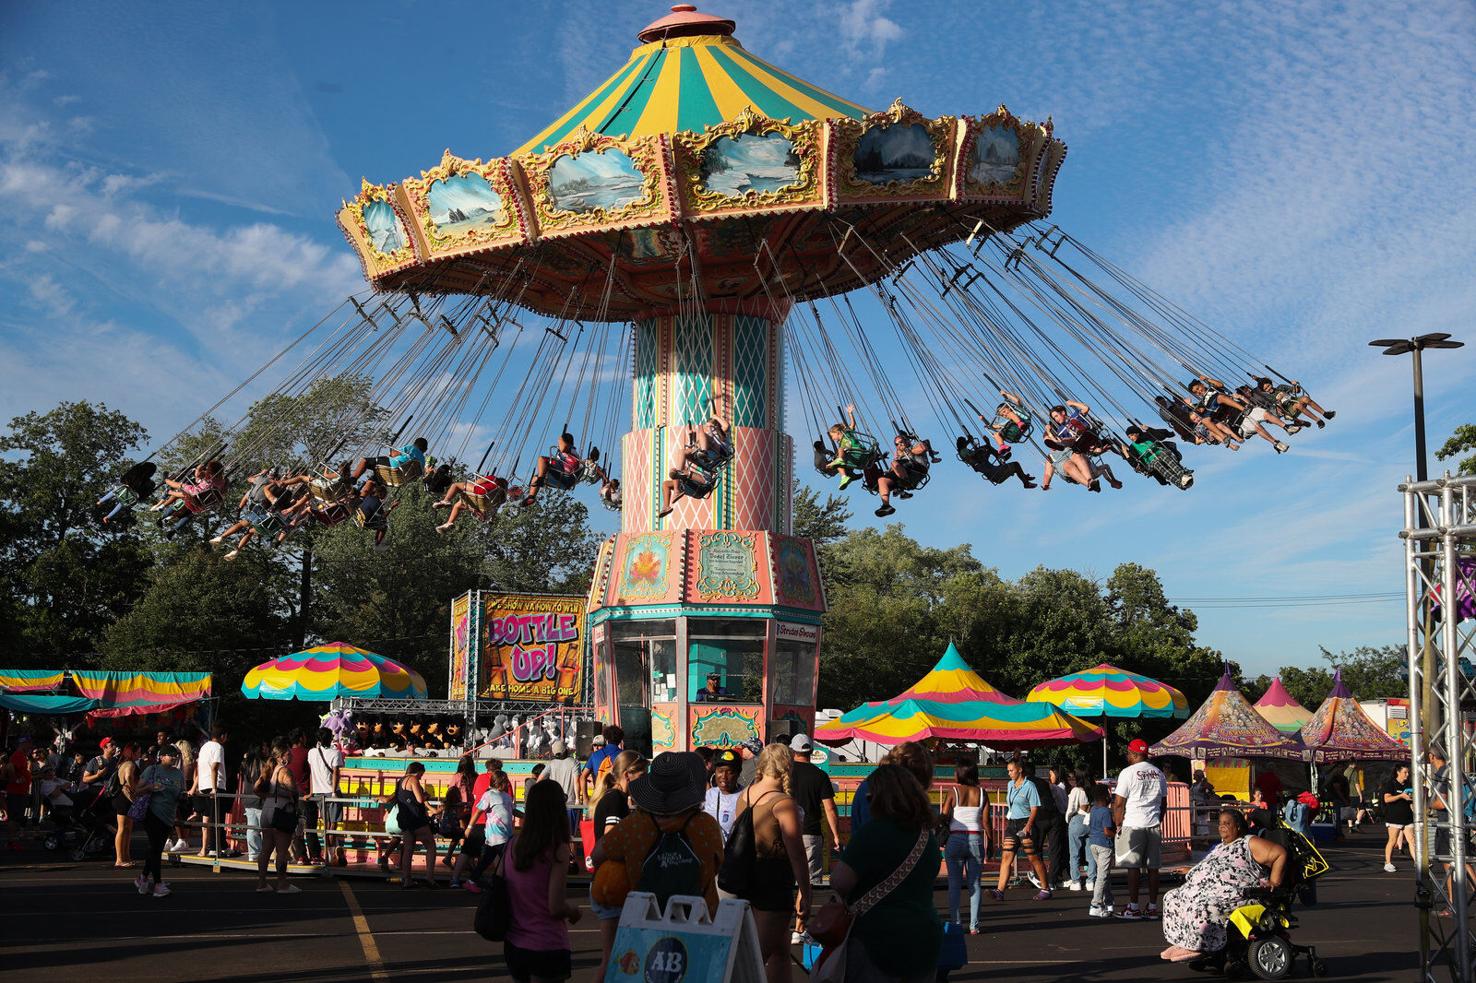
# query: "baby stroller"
{"type": "Point", "coordinates": [83, 828]}
{"type": "Point", "coordinates": [1259, 934]}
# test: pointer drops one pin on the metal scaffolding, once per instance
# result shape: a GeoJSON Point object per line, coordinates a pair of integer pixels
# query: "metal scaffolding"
{"type": "Point", "coordinates": [1439, 532]}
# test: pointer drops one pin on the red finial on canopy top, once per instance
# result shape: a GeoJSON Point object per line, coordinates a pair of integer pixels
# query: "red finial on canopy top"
{"type": "Point", "coordinates": [685, 21]}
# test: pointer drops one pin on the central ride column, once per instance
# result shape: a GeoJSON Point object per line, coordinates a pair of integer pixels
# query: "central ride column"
{"type": "Point", "coordinates": [718, 587]}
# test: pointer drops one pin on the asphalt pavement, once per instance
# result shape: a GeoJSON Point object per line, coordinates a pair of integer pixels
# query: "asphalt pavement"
{"type": "Point", "coordinates": [66, 920]}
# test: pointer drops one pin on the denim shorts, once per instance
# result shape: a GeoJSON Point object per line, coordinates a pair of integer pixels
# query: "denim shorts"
{"type": "Point", "coordinates": [603, 912]}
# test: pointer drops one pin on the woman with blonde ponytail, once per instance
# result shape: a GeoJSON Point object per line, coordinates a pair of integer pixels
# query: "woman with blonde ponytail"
{"type": "Point", "coordinates": [780, 859]}
{"type": "Point", "coordinates": [626, 768]}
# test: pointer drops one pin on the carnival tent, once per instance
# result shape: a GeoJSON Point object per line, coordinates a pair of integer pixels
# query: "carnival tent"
{"type": "Point", "coordinates": [1107, 691]}
{"type": "Point", "coordinates": [104, 693]}
{"type": "Point", "coordinates": [327, 672]}
{"type": "Point", "coordinates": [1340, 731]}
{"type": "Point", "coordinates": [1281, 709]}
{"type": "Point", "coordinates": [953, 702]}
{"type": "Point", "coordinates": [1226, 726]}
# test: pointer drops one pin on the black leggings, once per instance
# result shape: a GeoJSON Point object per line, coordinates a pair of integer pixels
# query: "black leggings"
{"type": "Point", "coordinates": [157, 830]}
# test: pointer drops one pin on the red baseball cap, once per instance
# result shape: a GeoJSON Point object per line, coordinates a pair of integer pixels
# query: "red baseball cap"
{"type": "Point", "coordinates": [103, 744]}
{"type": "Point", "coordinates": [1138, 746]}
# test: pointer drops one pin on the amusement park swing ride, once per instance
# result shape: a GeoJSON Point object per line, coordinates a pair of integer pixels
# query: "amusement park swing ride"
{"type": "Point", "coordinates": [700, 230]}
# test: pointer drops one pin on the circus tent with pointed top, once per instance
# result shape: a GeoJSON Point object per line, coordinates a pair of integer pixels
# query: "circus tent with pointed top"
{"type": "Point", "coordinates": [1281, 709]}
{"type": "Point", "coordinates": [955, 703]}
{"type": "Point", "coordinates": [1341, 731]}
{"type": "Point", "coordinates": [1226, 726]}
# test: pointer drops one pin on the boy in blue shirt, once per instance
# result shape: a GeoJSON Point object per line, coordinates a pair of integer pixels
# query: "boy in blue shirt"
{"type": "Point", "coordinates": [1099, 840]}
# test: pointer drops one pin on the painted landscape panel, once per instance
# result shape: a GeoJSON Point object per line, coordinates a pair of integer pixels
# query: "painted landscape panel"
{"type": "Point", "coordinates": [583, 182]}
{"type": "Point", "coordinates": [749, 162]}
{"type": "Point", "coordinates": [899, 152]}
{"type": "Point", "coordinates": [463, 202]}
{"type": "Point", "coordinates": [383, 226]}
{"type": "Point", "coordinates": [996, 155]}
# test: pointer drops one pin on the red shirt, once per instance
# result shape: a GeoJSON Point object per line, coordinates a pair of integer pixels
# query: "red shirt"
{"type": "Point", "coordinates": [297, 763]}
{"type": "Point", "coordinates": [482, 784]}
{"type": "Point", "coordinates": [20, 770]}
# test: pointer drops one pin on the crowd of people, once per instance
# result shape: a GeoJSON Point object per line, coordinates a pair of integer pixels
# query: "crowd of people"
{"type": "Point", "coordinates": [757, 823]}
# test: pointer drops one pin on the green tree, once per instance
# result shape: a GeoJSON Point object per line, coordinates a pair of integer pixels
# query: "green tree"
{"type": "Point", "coordinates": [823, 523]}
{"type": "Point", "coordinates": [65, 577]}
{"type": "Point", "coordinates": [1463, 441]}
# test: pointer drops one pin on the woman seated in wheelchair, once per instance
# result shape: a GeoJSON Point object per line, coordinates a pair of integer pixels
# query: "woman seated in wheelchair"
{"type": "Point", "coordinates": [1196, 914]}
{"type": "Point", "coordinates": [911, 459]}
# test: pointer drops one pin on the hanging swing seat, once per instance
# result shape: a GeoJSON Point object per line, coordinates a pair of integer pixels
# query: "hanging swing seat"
{"type": "Point", "coordinates": [695, 482]}
{"type": "Point", "coordinates": [394, 477]}
{"type": "Point", "coordinates": [377, 521]}
{"type": "Point", "coordinates": [865, 451]}
{"type": "Point", "coordinates": [1162, 462]}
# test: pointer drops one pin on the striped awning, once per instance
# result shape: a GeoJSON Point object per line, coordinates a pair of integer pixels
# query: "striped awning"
{"type": "Point", "coordinates": [686, 84]}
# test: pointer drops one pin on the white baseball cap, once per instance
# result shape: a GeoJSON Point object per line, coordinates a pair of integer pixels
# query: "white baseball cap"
{"type": "Point", "coordinates": [800, 743]}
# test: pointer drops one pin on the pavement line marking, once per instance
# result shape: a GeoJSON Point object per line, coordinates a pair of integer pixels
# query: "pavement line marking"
{"type": "Point", "coordinates": [366, 937]}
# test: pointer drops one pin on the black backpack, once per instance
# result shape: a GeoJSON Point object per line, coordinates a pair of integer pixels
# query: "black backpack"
{"type": "Point", "coordinates": [740, 856]}
{"type": "Point", "coordinates": [672, 867]}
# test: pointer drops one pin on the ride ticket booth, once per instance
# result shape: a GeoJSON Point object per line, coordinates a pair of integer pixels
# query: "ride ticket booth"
{"type": "Point", "coordinates": [705, 637]}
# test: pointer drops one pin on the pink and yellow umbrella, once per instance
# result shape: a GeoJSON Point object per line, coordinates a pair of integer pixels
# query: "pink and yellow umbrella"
{"type": "Point", "coordinates": [327, 672]}
{"type": "Point", "coordinates": [1107, 691]}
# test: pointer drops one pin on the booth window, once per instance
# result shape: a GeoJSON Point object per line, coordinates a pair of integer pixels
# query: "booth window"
{"type": "Point", "coordinates": [733, 648]}
{"type": "Point", "coordinates": [794, 673]}
{"type": "Point", "coordinates": [640, 649]}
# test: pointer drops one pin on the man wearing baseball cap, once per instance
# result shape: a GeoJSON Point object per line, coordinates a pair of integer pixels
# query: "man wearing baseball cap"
{"type": "Point", "coordinates": [1137, 812]}
{"type": "Point", "coordinates": [815, 795]}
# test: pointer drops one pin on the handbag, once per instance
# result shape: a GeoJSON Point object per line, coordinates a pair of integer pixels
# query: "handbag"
{"type": "Point", "coordinates": [140, 806]}
{"type": "Point", "coordinates": [494, 908]}
{"type": "Point", "coordinates": [831, 925]}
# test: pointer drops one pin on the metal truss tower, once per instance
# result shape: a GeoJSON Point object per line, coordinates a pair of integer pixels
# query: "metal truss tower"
{"type": "Point", "coordinates": [1440, 532]}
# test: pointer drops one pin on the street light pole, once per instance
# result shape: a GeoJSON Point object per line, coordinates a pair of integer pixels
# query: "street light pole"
{"type": "Point", "coordinates": [1414, 346]}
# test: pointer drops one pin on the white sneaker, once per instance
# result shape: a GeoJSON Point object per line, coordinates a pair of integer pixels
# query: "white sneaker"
{"type": "Point", "coordinates": [141, 883]}
{"type": "Point", "coordinates": [1073, 885]}
{"type": "Point", "coordinates": [232, 555]}
{"type": "Point", "coordinates": [216, 540]}
{"type": "Point", "coordinates": [1096, 912]}
{"type": "Point", "coordinates": [796, 938]}
{"type": "Point", "coordinates": [161, 890]}
{"type": "Point", "coordinates": [1035, 881]}
{"type": "Point", "coordinates": [1390, 869]}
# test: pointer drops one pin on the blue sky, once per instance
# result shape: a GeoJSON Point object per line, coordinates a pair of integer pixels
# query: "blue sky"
{"type": "Point", "coordinates": [1300, 175]}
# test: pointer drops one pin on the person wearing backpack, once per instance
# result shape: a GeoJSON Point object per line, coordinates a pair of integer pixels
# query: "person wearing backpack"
{"type": "Point", "coordinates": [536, 867]}
{"type": "Point", "coordinates": [668, 845]}
{"type": "Point", "coordinates": [765, 859]}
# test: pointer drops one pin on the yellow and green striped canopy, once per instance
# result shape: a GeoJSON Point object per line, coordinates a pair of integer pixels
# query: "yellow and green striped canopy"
{"type": "Point", "coordinates": [686, 84]}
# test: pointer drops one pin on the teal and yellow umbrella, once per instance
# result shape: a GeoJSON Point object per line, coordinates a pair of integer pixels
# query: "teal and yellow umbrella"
{"type": "Point", "coordinates": [955, 703]}
{"type": "Point", "coordinates": [680, 81]}
{"type": "Point", "coordinates": [327, 672]}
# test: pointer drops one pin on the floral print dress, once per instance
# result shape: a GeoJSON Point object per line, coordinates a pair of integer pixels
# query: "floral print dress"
{"type": "Point", "coordinates": [1195, 914]}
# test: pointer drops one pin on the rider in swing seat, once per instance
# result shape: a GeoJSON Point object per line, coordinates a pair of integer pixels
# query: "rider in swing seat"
{"type": "Point", "coordinates": [1068, 423]}
{"type": "Point", "coordinates": [1292, 401]}
{"type": "Point", "coordinates": [189, 499]}
{"type": "Point", "coordinates": [610, 491]}
{"type": "Point", "coordinates": [1150, 452]}
{"type": "Point", "coordinates": [691, 482]}
{"type": "Point", "coordinates": [911, 460]}
{"type": "Point", "coordinates": [708, 446]}
{"type": "Point", "coordinates": [853, 453]}
{"type": "Point", "coordinates": [1011, 423]}
{"type": "Point", "coordinates": [136, 485]}
{"type": "Point", "coordinates": [984, 459]}
{"type": "Point", "coordinates": [264, 501]}
{"type": "Point", "coordinates": [483, 496]}
{"type": "Point", "coordinates": [410, 460]}
{"type": "Point", "coordinates": [561, 469]}
{"type": "Point", "coordinates": [372, 513]}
